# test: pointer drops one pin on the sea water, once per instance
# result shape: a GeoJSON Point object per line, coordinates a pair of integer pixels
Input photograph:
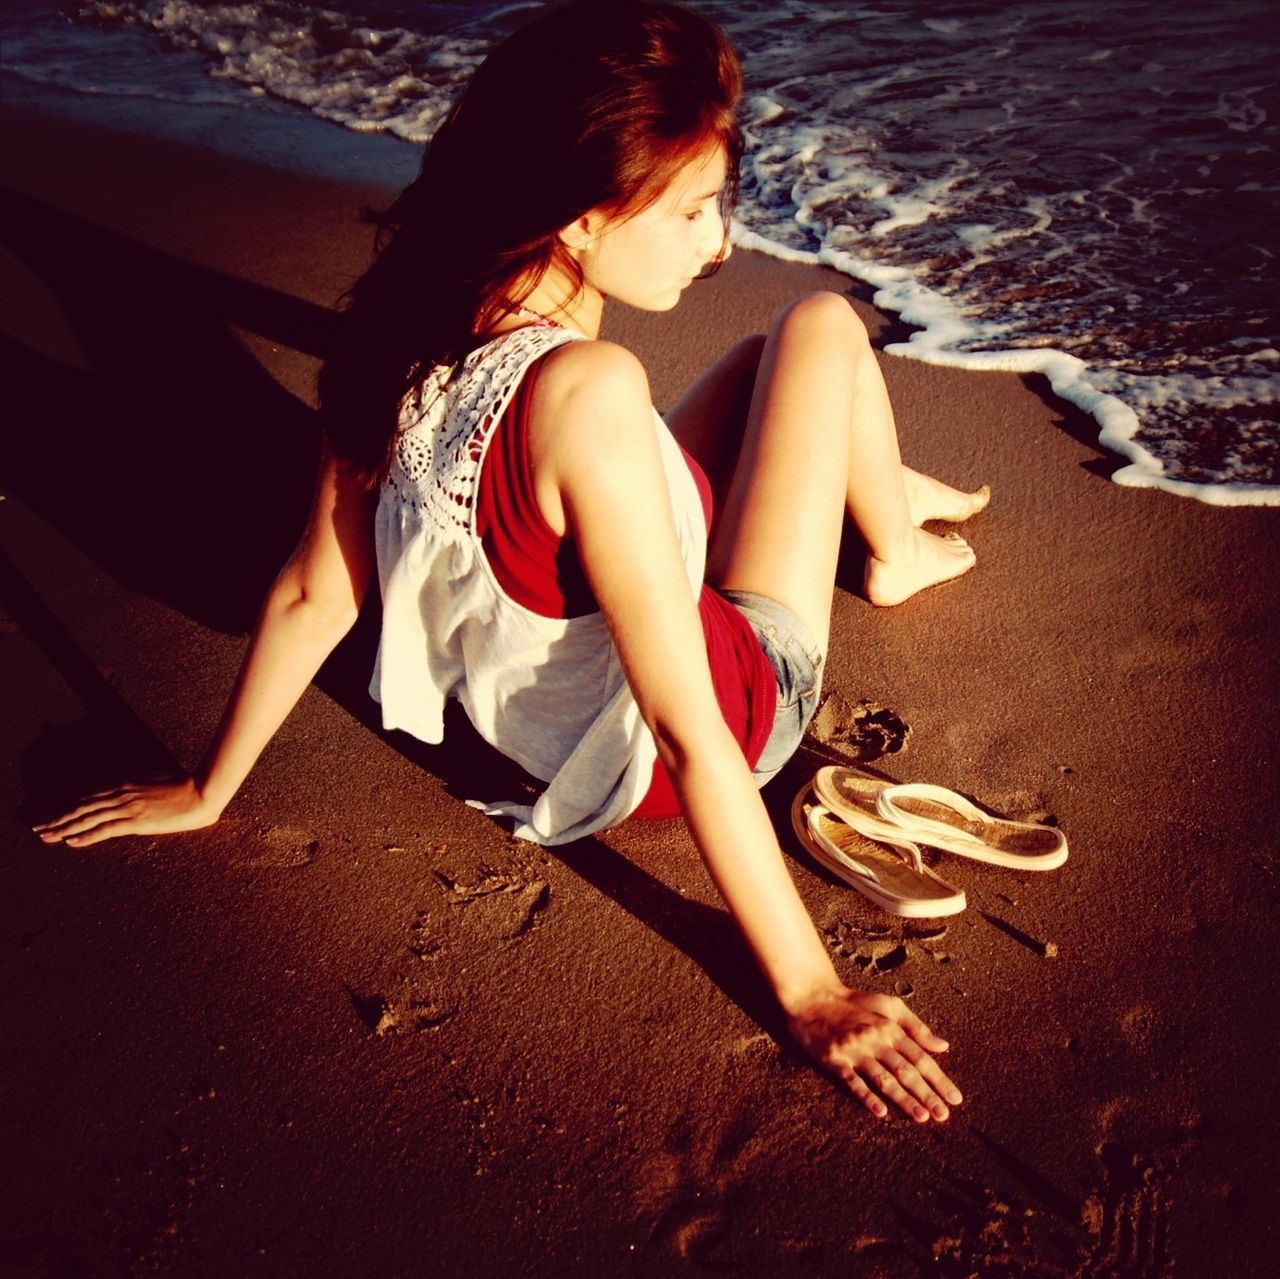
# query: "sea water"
{"type": "Point", "coordinates": [1082, 190]}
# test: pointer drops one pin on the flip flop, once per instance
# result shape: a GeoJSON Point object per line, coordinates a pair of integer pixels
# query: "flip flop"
{"type": "Point", "coordinates": [937, 817]}
{"type": "Point", "coordinates": [889, 873]}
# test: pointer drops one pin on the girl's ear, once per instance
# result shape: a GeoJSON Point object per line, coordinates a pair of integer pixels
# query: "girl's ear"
{"type": "Point", "coordinates": [581, 234]}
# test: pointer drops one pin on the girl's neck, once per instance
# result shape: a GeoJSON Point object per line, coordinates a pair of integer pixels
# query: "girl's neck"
{"type": "Point", "coordinates": [556, 300]}
{"type": "Point", "coordinates": [582, 313]}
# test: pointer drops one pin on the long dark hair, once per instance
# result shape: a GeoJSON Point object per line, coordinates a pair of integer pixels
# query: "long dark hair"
{"type": "Point", "coordinates": [594, 105]}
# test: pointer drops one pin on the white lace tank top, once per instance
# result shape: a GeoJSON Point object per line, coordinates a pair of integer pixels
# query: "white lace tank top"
{"type": "Point", "coordinates": [547, 692]}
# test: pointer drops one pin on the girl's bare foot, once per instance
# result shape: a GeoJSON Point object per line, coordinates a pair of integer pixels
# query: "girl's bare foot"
{"type": "Point", "coordinates": [927, 560]}
{"type": "Point", "coordinates": [930, 499]}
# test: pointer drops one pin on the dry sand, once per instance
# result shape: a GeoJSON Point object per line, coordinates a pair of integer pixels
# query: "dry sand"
{"type": "Point", "coordinates": [356, 1029]}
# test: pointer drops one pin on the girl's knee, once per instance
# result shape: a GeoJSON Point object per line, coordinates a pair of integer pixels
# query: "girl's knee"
{"type": "Point", "coordinates": [825, 314]}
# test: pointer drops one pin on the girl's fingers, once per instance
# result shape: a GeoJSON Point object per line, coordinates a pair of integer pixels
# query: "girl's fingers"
{"type": "Point", "coordinates": [80, 819]}
{"type": "Point", "coordinates": [889, 1087]}
{"type": "Point", "coordinates": [113, 792]}
{"type": "Point", "coordinates": [54, 823]}
{"type": "Point", "coordinates": [913, 1080]}
{"type": "Point", "coordinates": [865, 1095]}
{"type": "Point", "coordinates": [920, 1032]}
{"type": "Point", "coordinates": [106, 830]}
{"type": "Point", "coordinates": [96, 802]}
{"type": "Point", "coordinates": [933, 1073]}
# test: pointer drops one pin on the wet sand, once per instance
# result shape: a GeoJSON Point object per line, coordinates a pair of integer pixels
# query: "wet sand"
{"type": "Point", "coordinates": [357, 1029]}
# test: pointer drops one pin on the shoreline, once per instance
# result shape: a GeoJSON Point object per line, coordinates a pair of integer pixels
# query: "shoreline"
{"type": "Point", "coordinates": [930, 319]}
{"type": "Point", "coordinates": [284, 137]}
{"type": "Point", "coordinates": [356, 1024]}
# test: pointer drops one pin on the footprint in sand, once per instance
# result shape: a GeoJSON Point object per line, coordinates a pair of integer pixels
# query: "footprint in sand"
{"type": "Point", "coordinates": [1129, 1217]}
{"type": "Point", "coordinates": [688, 1191]}
{"type": "Point", "coordinates": [1120, 1231]}
{"type": "Point", "coordinates": [406, 1010]}
{"type": "Point", "coordinates": [1145, 1028]}
{"type": "Point", "coordinates": [880, 948]}
{"type": "Point", "coordinates": [856, 732]}
{"type": "Point", "coordinates": [285, 847]}
{"type": "Point", "coordinates": [423, 941]}
{"type": "Point", "coordinates": [503, 905]}
{"type": "Point", "coordinates": [147, 1200]}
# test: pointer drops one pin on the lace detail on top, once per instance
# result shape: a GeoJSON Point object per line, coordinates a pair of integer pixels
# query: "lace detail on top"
{"type": "Point", "coordinates": [444, 425]}
{"type": "Point", "coordinates": [550, 693]}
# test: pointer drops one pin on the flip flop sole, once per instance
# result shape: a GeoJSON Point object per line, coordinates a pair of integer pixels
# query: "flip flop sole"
{"type": "Point", "coordinates": [937, 817]}
{"type": "Point", "coordinates": [883, 875]}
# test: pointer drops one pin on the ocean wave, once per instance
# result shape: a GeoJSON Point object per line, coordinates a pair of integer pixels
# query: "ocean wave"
{"type": "Point", "coordinates": [1038, 185]}
{"type": "Point", "coordinates": [365, 77]}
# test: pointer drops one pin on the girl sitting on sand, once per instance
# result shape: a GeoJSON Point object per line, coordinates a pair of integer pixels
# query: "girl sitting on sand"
{"type": "Point", "coordinates": [544, 541]}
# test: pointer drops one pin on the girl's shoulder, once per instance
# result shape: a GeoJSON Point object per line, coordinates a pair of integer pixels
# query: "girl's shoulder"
{"type": "Point", "coordinates": [591, 358]}
{"type": "Point", "coordinates": [587, 377]}
{"type": "Point", "coordinates": [589, 396]}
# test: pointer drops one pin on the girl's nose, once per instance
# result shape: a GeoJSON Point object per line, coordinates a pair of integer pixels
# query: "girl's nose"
{"type": "Point", "coordinates": [716, 245]}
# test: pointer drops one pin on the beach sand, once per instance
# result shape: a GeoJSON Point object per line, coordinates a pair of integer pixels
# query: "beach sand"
{"type": "Point", "coordinates": [357, 1029]}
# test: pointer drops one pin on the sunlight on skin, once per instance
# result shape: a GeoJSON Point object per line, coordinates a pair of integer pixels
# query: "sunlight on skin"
{"type": "Point", "coordinates": [932, 561]}
{"type": "Point", "coordinates": [930, 499]}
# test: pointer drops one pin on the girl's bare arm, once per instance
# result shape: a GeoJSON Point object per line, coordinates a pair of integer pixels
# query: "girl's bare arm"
{"type": "Point", "coordinates": [594, 453]}
{"type": "Point", "coordinates": [311, 606]}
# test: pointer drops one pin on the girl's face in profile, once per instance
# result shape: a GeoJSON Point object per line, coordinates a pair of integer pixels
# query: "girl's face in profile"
{"type": "Point", "coordinates": [648, 258]}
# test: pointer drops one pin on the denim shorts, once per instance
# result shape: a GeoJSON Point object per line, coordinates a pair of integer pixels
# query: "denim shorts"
{"type": "Point", "coordinates": [797, 663]}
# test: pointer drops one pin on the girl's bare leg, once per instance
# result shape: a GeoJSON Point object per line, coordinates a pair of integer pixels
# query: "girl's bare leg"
{"type": "Point", "coordinates": [711, 416]}
{"type": "Point", "coordinates": [819, 441]}
{"type": "Point", "coordinates": [930, 499]}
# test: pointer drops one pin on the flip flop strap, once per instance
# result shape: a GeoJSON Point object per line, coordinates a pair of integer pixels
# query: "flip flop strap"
{"type": "Point", "coordinates": [922, 827]}
{"type": "Point", "coordinates": [908, 850]}
{"type": "Point", "coordinates": [905, 848]}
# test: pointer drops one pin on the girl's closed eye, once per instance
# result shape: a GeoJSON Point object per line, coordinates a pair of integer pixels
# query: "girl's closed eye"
{"type": "Point", "coordinates": [705, 204]}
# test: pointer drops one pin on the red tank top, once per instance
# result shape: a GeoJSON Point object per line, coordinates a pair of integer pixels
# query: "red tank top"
{"type": "Point", "coordinates": [541, 571]}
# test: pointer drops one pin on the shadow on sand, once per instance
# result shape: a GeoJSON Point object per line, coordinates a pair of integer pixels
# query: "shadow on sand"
{"type": "Point", "coordinates": [164, 451]}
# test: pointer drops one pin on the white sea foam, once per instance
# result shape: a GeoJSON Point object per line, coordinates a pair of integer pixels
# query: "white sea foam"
{"type": "Point", "coordinates": [941, 326]}
{"type": "Point", "coordinates": [1239, 111]}
{"type": "Point", "coordinates": [389, 79]}
{"type": "Point", "coordinates": [952, 163]}
{"type": "Point", "coordinates": [1063, 282]}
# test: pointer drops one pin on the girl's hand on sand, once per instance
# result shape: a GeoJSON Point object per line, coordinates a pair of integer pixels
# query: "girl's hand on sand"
{"type": "Point", "coordinates": [876, 1042]}
{"type": "Point", "coordinates": [135, 808]}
